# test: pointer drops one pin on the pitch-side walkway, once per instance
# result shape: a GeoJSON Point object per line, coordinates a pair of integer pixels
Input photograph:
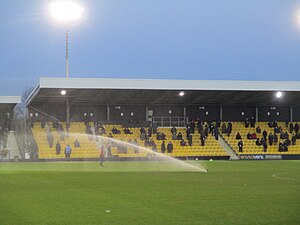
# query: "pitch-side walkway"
{"type": "Point", "coordinates": [228, 149]}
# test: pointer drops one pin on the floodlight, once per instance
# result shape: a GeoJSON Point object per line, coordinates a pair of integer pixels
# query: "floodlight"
{"type": "Point", "coordinates": [181, 93]}
{"type": "Point", "coordinates": [279, 94]}
{"type": "Point", "coordinates": [63, 92]}
{"type": "Point", "coordinates": [65, 11]}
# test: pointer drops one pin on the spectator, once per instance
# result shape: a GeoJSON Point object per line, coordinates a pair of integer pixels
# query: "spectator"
{"type": "Point", "coordinates": [102, 155]}
{"type": "Point", "coordinates": [224, 128]}
{"type": "Point", "coordinates": [179, 136]}
{"type": "Point", "coordinates": [150, 131]}
{"type": "Point", "coordinates": [265, 146]}
{"type": "Point", "coordinates": [238, 136]}
{"type": "Point", "coordinates": [190, 140]}
{"type": "Point", "coordinates": [252, 122]}
{"type": "Point", "coordinates": [294, 139]}
{"type": "Point", "coordinates": [163, 136]}
{"type": "Point", "coordinates": [240, 145]}
{"type": "Point", "coordinates": [271, 139]}
{"type": "Point", "coordinates": [136, 149]}
{"type": "Point", "coordinates": [170, 147]}
{"type": "Point", "coordinates": [296, 128]}
{"type": "Point", "coordinates": [265, 134]}
{"type": "Point", "coordinates": [215, 133]}
{"type": "Point", "coordinates": [182, 142]}
{"type": "Point", "coordinates": [229, 128]}
{"type": "Point", "coordinates": [163, 147]}
{"type": "Point", "coordinates": [154, 148]}
{"type": "Point", "coordinates": [188, 132]}
{"type": "Point", "coordinates": [142, 130]}
{"type": "Point", "coordinates": [58, 148]}
{"type": "Point", "coordinates": [68, 152]}
{"type": "Point", "coordinates": [291, 126]}
{"type": "Point", "coordinates": [174, 136]}
{"type": "Point", "coordinates": [102, 131]}
{"type": "Point", "coordinates": [258, 130]}
{"type": "Point", "coordinates": [202, 139]}
{"type": "Point", "coordinates": [115, 131]}
{"type": "Point", "coordinates": [247, 123]}
{"type": "Point", "coordinates": [76, 144]}
{"type": "Point", "coordinates": [173, 130]}
{"type": "Point", "coordinates": [127, 131]}
{"type": "Point", "coordinates": [258, 142]}
{"type": "Point", "coordinates": [275, 139]}
{"type": "Point", "coordinates": [50, 139]}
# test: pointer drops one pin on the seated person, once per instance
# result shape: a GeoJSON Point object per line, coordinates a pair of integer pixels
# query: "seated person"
{"type": "Point", "coordinates": [254, 136]}
{"type": "Point", "coordinates": [143, 136]}
{"type": "Point", "coordinates": [249, 136]}
{"type": "Point", "coordinates": [179, 136]}
{"type": "Point", "coordinates": [287, 142]}
{"type": "Point", "coordinates": [258, 142]}
{"type": "Point", "coordinates": [102, 130]}
{"type": "Point", "coordinates": [110, 135]}
{"type": "Point", "coordinates": [76, 144]}
{"type": "Point", "coordinates": [182, 143]}
{"type": "Point", "coordinates": [115, 131]}
{"type": "Point", "coordinates": [127, 131]}
{"type": "Point", "coordinates": [173, 130]}
{"type": "Point", "coordinates": [147, 143]}
{"type": "Point", "coordinates": [142, 130]}
{"type": "Point", "coordinates": [224, 128]}
{"type": "Point", "coordinates": [238, 136]}
{"type": "Point", "coordinates": [258, 130]}
{"type": "Point", "coordinates": [158, 136]}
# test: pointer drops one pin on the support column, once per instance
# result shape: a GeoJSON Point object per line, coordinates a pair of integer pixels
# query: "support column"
{"type": "Point", "coordinates": [68, 112]}
{"type": "Point", "coordinates": [256, 113]}
{"type": "Point", "coordinates": [221, 113]}
{"type": "Point", "coordinates": [291, 114]}
{"type": "Point", "coordinates": [147, 109]}
{"type": "Point", "coordinates": [184, 111]}
{"type": "Point", "coordinates": [107, 112]}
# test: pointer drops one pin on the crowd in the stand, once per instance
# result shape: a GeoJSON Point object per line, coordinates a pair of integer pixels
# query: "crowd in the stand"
{"type": "Point", "coordinates": [151, 134]}
{"type": "Point", "coordinates": [5, 122]}
{"type": "Point", "coordinates": [270, 139]}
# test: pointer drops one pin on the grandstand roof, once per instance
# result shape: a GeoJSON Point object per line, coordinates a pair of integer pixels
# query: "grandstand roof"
{"type": "Point", "coordinates": [153, 91]}
{"type": "Point", "coordinates": [9, 101]}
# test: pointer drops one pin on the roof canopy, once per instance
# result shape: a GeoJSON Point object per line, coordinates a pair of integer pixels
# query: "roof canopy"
{"type": "Point", "coordinates": [147, 91]}
{"type": "Point", "coordinates": [9, 102]}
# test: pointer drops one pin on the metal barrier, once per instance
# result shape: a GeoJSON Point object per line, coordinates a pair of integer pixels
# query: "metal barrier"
{"type": "Point", "coordinates": [170, 121]}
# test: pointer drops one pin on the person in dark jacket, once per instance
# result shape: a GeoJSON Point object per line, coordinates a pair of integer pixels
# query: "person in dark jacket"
{"type": "Point", "coordinates": [240, 145]}
{"type": "Point", "coordinates": [163, 147]}
{"type": "Point", "coordinates": [58, 148]}
{"type": "Point", "coordinates": [170, 147]}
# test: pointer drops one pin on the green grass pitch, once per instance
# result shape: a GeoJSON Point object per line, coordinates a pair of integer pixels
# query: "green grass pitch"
{"type": "Point", "coordinates": [148, 193]}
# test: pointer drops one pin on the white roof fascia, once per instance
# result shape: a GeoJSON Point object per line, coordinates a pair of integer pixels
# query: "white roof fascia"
{"type": "Point", "coordinates": [10, 99]}
{"type": "Point", "coordinates": [160, 84]}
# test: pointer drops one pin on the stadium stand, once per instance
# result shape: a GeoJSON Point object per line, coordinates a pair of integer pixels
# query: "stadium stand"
{"type": "Point", "coordinates": [89, 149]}
{"type": "Point", "coordinates": [250, 146]}
{"type": "Point", "coordinates": [136, 103]}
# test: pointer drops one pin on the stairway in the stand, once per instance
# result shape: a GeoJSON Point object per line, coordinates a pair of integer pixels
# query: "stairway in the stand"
{"type": "Point", "coordinates": [12, 146]}
{"type": "Point", "coordinates": [228, 149]}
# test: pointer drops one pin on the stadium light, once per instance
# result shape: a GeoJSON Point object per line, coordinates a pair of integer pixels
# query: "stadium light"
{"type": "Point", "coordinates": [279, 94]}
{"type": "Point", "coordinates": [181, 93]}
{"type": "Point", "coordinates": [66, 12]}
{"type": "Point", "coordinates": [63, 92]}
